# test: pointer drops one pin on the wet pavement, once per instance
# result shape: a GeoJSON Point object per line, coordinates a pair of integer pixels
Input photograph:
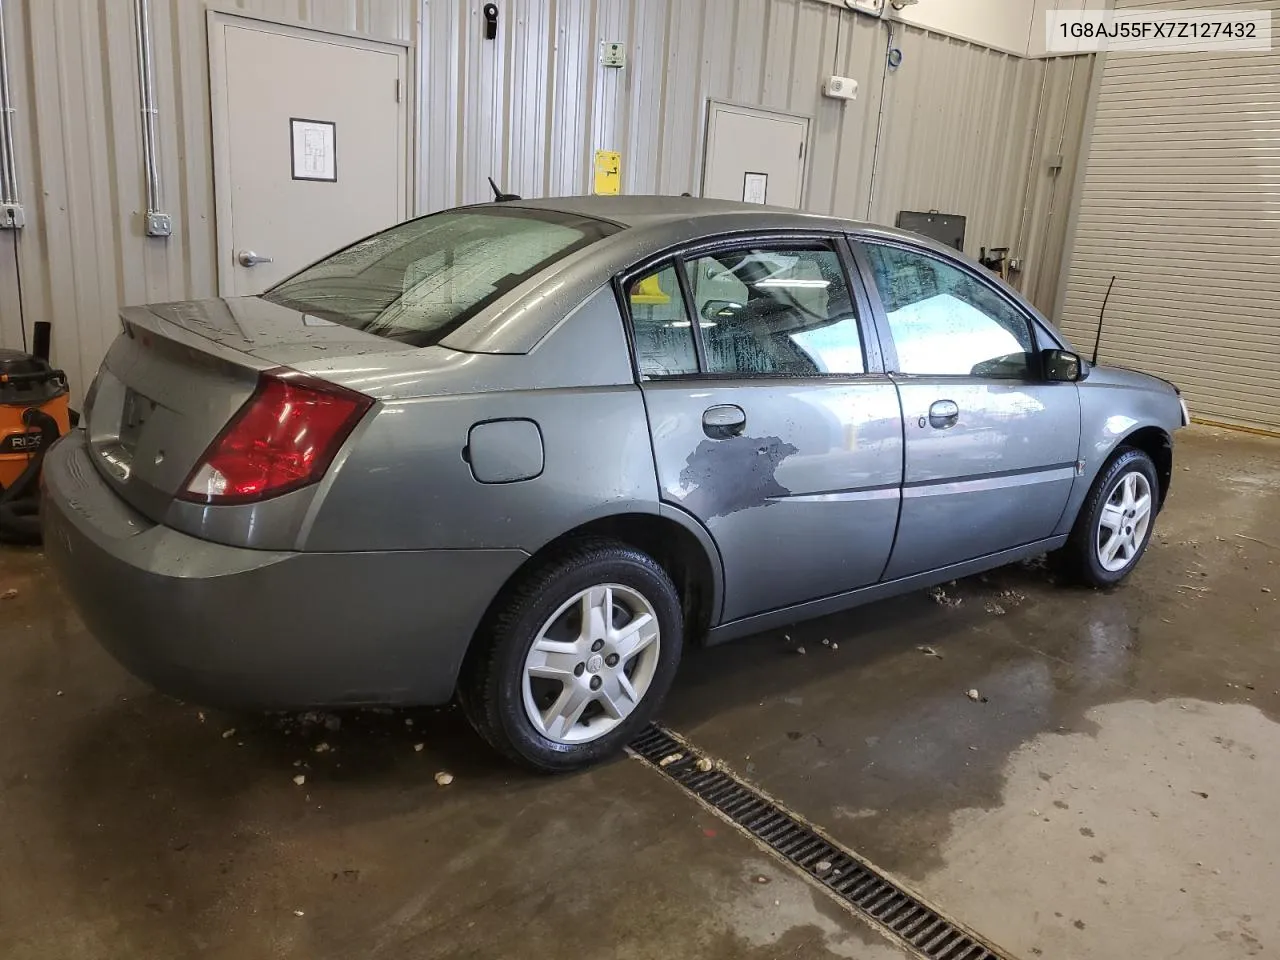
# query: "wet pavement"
{"type": "Point", "coordinates": [1112, 792]}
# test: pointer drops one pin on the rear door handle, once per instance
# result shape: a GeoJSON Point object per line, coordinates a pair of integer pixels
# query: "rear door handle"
{"type": "Point", "coordinates": [723, 421]}
{"type": "Point", "coordinates": [943, 414]}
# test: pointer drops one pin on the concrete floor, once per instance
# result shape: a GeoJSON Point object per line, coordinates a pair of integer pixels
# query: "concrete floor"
{"type": "Point", "coordinates": [1115, 796]}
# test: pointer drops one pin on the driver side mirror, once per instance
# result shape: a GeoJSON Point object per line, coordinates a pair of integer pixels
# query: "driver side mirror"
{"type": "Point", "coordinates": [1063, 366]}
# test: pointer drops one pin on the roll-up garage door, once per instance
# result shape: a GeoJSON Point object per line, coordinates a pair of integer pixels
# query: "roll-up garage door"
{"type": "Point", "coordinates": [1181, 201]}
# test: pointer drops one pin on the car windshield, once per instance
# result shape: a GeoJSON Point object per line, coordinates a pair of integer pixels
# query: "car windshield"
{"type": "Point", "coordinates": [420, 280]}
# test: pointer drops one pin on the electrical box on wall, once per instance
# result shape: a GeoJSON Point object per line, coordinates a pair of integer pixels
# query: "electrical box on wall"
{"type": "Point", "coordinates": [841, 88]}
{"type": "Point", "coordinates": [12, 217]}
{"type": "Point", "coordinates": [613, 54]}
{"type": "Point", "coordinates": [873, 7]}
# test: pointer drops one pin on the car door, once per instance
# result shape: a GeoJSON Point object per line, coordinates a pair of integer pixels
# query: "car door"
{"type": "Point", "coordinates": [991, 446]}
{"type": "Point", "coordinates": [772, 420]}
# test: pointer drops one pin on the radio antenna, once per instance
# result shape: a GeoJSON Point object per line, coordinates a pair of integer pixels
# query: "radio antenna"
{"type": "Point", "coordinates": [498, 195]}
{"type": "Point", "coordinates": [1102, 313]}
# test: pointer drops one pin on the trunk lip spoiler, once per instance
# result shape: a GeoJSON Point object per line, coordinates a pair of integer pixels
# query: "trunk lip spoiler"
{"type": "Point", "coordinates": [150, 321]}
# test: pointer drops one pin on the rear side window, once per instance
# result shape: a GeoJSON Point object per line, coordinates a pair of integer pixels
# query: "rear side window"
{"type": "Point", "coordinates": [663, 331]}
{"type": "Point", "coordinates": [420, 280]}
{"type": "Point", "coordinates": [783, 311]}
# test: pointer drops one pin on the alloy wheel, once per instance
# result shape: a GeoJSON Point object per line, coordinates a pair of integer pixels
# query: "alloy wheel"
{"type": "Point", "coordinates": [591, 663]}
{"type": "Point", "coordinates": [1123, 522]}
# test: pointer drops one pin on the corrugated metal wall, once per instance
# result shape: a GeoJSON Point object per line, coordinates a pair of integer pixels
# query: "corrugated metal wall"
{"type": "Point", "coordinates": [1179, 203]}
{"type": "Point", "coordinates": [958, 127]}
{"type": "Point", "coordinates": [78, 130]}
{"type": "Point", "coordinates": [970, 130]}
{"type": "Point", "coordinates": [1062, 113]}
{"type": "Point", "coordinates": [961, 128]}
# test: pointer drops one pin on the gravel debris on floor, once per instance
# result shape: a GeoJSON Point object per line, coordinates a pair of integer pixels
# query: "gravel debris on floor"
{"type": "Point", "coordinates": [941, 598]}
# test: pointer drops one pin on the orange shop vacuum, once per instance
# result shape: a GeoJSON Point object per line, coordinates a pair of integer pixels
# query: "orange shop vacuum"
{"type": "Point", "coordinates": [34, 412]}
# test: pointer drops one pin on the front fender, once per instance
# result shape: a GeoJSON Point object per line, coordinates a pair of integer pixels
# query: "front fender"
{"type": "Point", "coordinates": [1116, 407]}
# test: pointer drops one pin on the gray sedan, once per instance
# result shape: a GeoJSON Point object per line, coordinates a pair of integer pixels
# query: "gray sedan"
{"type": "Point", "coordinates": [523, 452]}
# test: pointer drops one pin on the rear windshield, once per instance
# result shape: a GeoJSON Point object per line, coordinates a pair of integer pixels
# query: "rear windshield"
{"type": "Point", "coordinates": [422, 279]}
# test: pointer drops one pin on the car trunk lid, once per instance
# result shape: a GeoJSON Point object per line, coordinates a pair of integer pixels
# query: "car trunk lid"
{"type": "Point", "coordinates": [179, 372]}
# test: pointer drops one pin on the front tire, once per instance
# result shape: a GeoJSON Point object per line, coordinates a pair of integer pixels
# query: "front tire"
{"type": "Point", "coordinates": [1115, 522]}
{"type": "Point", "coordinates": [575, 657]}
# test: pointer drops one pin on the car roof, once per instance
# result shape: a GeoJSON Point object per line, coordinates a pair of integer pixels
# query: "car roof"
{"type": "Point", "coordinates": [643, 211]}
{"type": "Point", "coordinates": [688, 218]}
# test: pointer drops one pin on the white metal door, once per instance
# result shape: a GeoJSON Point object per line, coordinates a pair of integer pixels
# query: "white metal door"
{"type": "Point", "coordinates": [754, 155]}
{"type": "Point", "coordinates": [310, 143]}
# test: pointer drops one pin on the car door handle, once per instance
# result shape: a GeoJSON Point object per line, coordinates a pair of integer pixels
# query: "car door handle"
{"type": "Point", "coordinates": [943, 414]}
{"type": "Point", "coordinates": [723, 421]}
{"type": "Point", "coordinates": [248, 258]}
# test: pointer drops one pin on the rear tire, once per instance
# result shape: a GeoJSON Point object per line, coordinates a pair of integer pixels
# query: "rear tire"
{"type": "Point", "coordinates": [1115, 522]}
{"type": "Point", "coordinates": [575, 657]}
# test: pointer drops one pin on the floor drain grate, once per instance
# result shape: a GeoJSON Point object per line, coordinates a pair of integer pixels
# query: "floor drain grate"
{"type": "Point", "coordinates": [872, 894]}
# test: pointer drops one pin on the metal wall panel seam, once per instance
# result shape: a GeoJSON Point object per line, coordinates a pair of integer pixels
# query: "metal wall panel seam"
{"type": "Point", "coordinates": [1035, 142]}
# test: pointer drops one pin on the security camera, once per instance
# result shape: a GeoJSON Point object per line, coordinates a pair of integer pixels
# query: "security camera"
{"type": "Point", "coordinates": [900, 4]}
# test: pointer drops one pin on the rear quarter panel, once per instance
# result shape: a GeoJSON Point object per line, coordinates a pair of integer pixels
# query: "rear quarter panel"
{"type": "Point", "coordinates": [406, 483]}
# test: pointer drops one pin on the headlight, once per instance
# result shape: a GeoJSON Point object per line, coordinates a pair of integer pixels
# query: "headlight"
{"type": "Point", "coordinates": [1186, 414]}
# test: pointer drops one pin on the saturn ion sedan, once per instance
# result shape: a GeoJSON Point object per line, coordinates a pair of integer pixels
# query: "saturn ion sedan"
{"type": "Point", "coordinates": [522, 453]}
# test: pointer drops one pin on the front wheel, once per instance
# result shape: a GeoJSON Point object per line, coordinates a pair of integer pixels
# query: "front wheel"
{"type": "Point", "coordinates": [1115, 521]}
{"type": "Point", "coordinates": [577, 656]}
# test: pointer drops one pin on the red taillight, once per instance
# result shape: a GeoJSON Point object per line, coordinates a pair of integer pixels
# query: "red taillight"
{"type": "Point", "coordinates": [284, 437]}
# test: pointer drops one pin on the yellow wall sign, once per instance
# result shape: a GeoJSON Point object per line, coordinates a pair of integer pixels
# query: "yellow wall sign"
{"type": "Point", "coordinates": [608, 173]}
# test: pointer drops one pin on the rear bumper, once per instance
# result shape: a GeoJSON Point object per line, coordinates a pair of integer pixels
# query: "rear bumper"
{"type": "Point", "coordinates": [227, 626]}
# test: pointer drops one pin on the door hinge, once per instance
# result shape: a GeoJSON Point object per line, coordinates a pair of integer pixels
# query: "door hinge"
{"type": "Point", "coordinates": [397, 89]}
{"type": "Point", "coordinates": [801, 149]}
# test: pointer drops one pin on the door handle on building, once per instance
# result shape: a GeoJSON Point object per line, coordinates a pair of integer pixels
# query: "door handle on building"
{"type": "Point", "coordinates": [248, 258]}
{"type": "Point", "coordinates": [943, 414]}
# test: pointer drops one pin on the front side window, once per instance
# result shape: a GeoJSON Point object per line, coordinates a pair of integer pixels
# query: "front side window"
{"type": "Point", "coordinates": [783, 311]}
{"type": "Point", "coordinates": [422, 279]}
{"type": "Point", "coordinates": [946, 322]}
{"type": "Point", "coordinates": [664, 335]}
